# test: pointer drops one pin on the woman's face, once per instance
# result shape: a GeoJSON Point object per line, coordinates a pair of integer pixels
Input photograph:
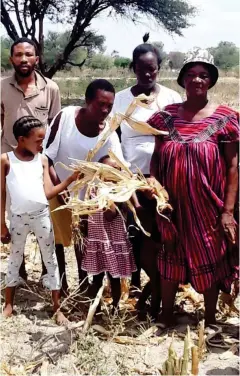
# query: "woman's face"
{"type": "Point", "coordinates": [146, 70]}
{"type": "Point", "coordinates": [101, 106]}
{"type": "Point", "coordinates": [197, 80]}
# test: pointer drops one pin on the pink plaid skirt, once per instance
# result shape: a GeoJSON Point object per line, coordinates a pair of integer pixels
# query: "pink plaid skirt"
{"type": "Point", "coordinates": [107, 248]}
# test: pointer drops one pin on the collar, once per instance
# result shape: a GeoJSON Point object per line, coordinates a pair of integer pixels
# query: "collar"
{"type": "Point", "coordinates": [40, 81]}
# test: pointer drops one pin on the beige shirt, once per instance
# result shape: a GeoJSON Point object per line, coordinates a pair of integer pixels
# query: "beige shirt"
{"type": "Point", "coordinates": [43, 102]}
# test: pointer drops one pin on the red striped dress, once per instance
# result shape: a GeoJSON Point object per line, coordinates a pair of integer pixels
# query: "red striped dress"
{"type": "Point", "coordinates": [189, 163]}
{"type": "Point", "coordinates": [107, 247]}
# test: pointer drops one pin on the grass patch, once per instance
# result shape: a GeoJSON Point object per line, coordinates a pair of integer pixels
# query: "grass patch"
{"type": "Point", "coordinates": [226, 91]}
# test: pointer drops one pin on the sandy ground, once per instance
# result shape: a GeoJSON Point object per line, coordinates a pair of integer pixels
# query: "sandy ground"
{"type": "Point", "coordinates": [32, 344]}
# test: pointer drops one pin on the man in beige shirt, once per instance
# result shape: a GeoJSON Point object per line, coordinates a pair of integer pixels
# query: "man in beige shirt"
{"type": "Point", "coordinates": [28, 92]}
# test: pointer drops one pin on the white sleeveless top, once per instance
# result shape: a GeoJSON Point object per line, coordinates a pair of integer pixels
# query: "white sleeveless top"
{"type": "Point", "coordinates": [70, 143]}
{"type": "Point", "coordinates": [25, 184]}
{"type": "Point", "coordinates": [138, 148]}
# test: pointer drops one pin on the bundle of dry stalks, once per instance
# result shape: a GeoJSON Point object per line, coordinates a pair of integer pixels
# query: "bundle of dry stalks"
{"type": "Point", "coordinates": [122, 184]}
{"type": "Point", "coordinates": [110, 186]}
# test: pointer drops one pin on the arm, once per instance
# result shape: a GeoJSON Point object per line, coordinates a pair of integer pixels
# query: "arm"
{"type": "Point", "coordinates": [52, 173]}
{"type": "Point", "coordinates": [149, 193]}
{"type": "Point", "coordinates": [134, 201]}
{"type": "Point", "coordinates": [50, 190]}
{"type": "Point", "coordinates": [115, 146]}
{"type": "Point", "coordinates": [110, 213]}
{"type": "Point", "coordinates": [55, 106]}
{"type": "Point", "coordinates": [55, 180]}
{"type": "Point", "coordinates": [2, 116]}
{"type": "Point", "coordinates": [231, 159]}
{"type": "Point", "coordinates": [116, 108]}
{"type": "Point", "coordinates": [5, 236]}
{"type": "Point", "coordinates": [52, 139]}
{"type": "Point", "coordinates": [154, 164]}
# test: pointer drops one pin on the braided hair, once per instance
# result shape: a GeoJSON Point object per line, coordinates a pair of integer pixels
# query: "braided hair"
{"type": "Point", "coordinates": [24, 125]}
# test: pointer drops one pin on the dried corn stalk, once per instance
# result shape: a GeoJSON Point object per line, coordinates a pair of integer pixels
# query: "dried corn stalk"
{"type": "Point", "coordinates": [142, 127]}
{"type": "Point", "coordinates": [195, 360]}
{"type": "Point", "coordinates": [110, 186]}
{"type": "Point", "coordinates": [201, 340]}
{"type": "Point", "coordinates": [92, 309]}
{"type": "Point", "coordinates": [179, 366]}
{"type": "Point", "coordinates": [226, 303]}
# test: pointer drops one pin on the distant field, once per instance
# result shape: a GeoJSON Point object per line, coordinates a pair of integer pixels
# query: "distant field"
{"type": "Point", "coordinates": [73, 88]}
{"type": "Point", "coordinates": [74, 83]}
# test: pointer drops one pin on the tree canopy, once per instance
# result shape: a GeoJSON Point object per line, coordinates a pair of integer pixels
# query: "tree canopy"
{"type": "Point", "coordinates": [173, 15]}
{"type": "Point", "coordinates": [226, 55]}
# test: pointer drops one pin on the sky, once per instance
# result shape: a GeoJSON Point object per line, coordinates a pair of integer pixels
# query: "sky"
{"type": "Point", "coordinates": [216, 20]}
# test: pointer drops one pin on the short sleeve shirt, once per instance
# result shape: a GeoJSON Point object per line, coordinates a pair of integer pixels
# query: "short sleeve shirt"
{"type": "Point", "coordinates": [137, 147]}
{"type": "Point", "coordinates": [43, 103]}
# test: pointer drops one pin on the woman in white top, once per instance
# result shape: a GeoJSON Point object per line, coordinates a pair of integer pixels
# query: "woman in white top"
{"type": "Point", "coordinates": [138, 148]}
{"type": "Point", "coordinates": [75, 131]}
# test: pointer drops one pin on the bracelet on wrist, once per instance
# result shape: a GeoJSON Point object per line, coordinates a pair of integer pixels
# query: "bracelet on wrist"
{"type": "Point", "coordinates": [225, 211]}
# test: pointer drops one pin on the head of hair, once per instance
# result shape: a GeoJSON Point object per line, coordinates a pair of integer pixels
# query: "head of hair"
{"type": "Point", "coordinates": [104, 158]}
{"type": "Point", "coordinates": [24, 40]}
{"type": "Point", "coordinates": [143, 49]}
{"type": "Point", "coordinates": [24, 125]}
{"type": "Point", "coordinates": [99, 84]}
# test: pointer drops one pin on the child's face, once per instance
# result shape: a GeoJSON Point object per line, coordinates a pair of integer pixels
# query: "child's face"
{"type": "Point", "coordinates": [33, 142]}
{"type": "Point", "coordinates": [112, 163]}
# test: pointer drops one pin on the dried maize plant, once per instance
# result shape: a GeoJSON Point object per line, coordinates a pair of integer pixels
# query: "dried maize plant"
{"type": "Point", "coordinates": [140, 126]}
{"type": "Point", "coordinates": [123, 190]}
{"type": "Point", "coordinates": [227, 301]}
{"type": "Point", "coordinates": [110, 186]}
{"type": "Point", "coordinates": [175, 365]}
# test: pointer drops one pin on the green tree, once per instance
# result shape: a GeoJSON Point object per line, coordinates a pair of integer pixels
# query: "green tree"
{"type": "Point", "coordinates": [176, 59]}
{"type": "Point", "coordinates": [5, 49]}
{"type": "Point", "coordinates": [55, 43]}
{"type": "Point", "coordinates": [100, 61]}
{"type": "Point", "coordinates": [122, 62]}
{"type": "Point", "coordinates": [226, 55]}
{"type": "Point", "coordinates": [173, 15]}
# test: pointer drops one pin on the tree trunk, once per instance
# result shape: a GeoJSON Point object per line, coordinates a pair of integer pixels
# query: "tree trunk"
{"type": "Point", "coordinates": [54, 68]}
{"type": "Point", "coordinates": [41, 47]}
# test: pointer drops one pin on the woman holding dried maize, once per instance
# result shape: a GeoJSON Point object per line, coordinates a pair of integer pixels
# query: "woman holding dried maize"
{"type": "Point", "coordinates": [137, 147]}
{"type": "Point", "coordinates": [197, 164]}
{"type": "Point", "coordinates": [76, 130]}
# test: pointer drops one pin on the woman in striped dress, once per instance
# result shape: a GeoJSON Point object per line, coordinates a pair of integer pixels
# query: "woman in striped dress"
{"type": "Point", "coordinates": [197, 164]}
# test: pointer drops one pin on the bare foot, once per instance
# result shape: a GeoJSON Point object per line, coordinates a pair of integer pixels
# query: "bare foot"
{"type": "Point", "coordinates": [8, 310]}
{"type": "Point", "coordinates": [60, 318]}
